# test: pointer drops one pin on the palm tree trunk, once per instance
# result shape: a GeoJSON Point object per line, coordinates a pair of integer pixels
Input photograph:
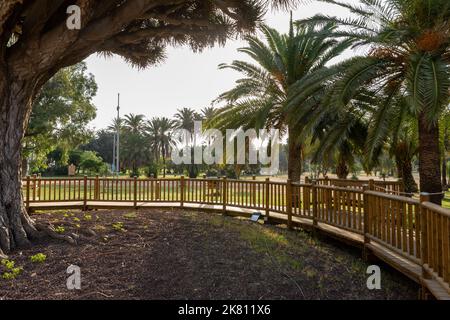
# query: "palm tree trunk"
{"type": "Point", "coordinates": [404, 172]}
{"type": "Point", "coordinates": [430, 159]}
{"type": "Point", "coordinates": [164, 161]}
{"type": "Point", "coordinates": [294, 157]}
{"type": "Point", "coordinates": [342, 169]}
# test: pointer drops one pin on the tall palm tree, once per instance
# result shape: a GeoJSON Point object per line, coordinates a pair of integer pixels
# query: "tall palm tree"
{"type": "Point", "coordinates": [208, 113]}
{"type": "Point", "coordinates": [133, 141]}
{"type": "Point", "coordinates": [116, 125]}
{"type": "Point", "coordinates": [134, 123]}
{"type": "Point", "coordinates": [185, 119]}
{"type": "Point", "coordinates": [281, 63]}
{"type": "Point", "coordinates": [159, 132]}
{"type": "Point", "coordinates": [409, 55]}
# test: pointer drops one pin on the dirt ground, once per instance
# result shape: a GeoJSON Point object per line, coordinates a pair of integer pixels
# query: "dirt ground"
{"type": "Point", "coordinates": [165, 254]}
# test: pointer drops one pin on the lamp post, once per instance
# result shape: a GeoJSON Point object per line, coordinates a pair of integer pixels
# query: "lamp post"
{"type": "Point", "coordinates": [118, 135]}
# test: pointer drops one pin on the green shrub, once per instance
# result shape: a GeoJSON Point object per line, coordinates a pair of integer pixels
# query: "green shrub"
{"type": "Point", "coordinates": [118, 226]}
{"type": "Point", "coordinates": [11, 271]}
{"type": "Point", "coordinates": [38, 258]}
{"type": "Point", "coordinates": [152, 171]}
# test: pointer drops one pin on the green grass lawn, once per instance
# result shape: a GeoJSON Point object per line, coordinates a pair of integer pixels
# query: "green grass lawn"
{"type": "Point", "coordinates": [446, 202]}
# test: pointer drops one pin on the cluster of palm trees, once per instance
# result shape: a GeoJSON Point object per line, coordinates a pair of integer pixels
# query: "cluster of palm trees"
{"type": "Point", "coordinates": [392, 100]}
{"type": "Point", "coordinates": [148, 142]}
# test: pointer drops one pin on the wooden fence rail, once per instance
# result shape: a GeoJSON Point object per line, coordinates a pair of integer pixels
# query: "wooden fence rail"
{"type": "Point", "coordinates": [394, 187]}
{"type": "Point", "coordinates": [409, 234]}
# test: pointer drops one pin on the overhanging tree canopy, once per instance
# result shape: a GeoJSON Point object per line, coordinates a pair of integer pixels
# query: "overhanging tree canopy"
{"type": "Point", "coordinates": [35, 43]}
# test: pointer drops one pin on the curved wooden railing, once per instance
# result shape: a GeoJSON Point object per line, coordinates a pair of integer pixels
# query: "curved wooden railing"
{"type": "Point", "coordinates": [412, 231]}
{"type": "Point", "coordinates": [394, 187]}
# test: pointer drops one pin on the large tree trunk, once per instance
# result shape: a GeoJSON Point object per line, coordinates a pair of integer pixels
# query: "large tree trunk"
{"type": "Point", "coordinates": [16, 227]}
{"type": "Point", "coordinates": [444, 173]}
{"type": "Point", "coordinates": [294, 157]}
{"type": "Point", "coordinates": [430, 159]}
{"type": "Point", "coordinates": [404, 172]}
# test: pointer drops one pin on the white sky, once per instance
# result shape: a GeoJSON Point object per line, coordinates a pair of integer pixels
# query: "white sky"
{"type": "Point", "coordinates": [185, 79]}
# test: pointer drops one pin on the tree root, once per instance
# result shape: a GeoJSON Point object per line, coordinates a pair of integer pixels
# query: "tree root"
{"type": "Point", "coordinates": [50, 231]}
{"type": "Point", "coordinates": [2, 255]}
{"type": "Point", "coordinates": [72, 238]}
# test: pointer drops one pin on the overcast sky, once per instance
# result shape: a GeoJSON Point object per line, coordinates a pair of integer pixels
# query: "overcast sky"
{"type": "Point", "coordinates": [185, 79]}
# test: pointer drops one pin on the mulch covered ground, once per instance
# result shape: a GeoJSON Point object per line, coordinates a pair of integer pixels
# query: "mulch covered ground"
{"type": "Point", "coordinates": [165, 254]}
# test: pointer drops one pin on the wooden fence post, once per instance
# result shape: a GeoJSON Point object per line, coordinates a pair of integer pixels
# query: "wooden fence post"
{"type": "Point", "coordinates": [224, 195]}
{"type": "Point", "coordinates": [28, 194]}
{"type": "Point", "coordinates": [85, 194]}
{"type": "Point", "coordinates": [367, 217]}
{"type": "Point", "coordinates": [267, 200]}
{"type": "Point", "coordinates": [97, 188]}
{"type": "Point", "coordinates": [254, 191]}
{"type": "Point", "coordinates": [307, 196]}
{"type": "Point", "coordinates": [34, 187]}
{"type": "Point", "coordinates": [205, 188]}
{"type": "Point", "coordinates": [423, 222]}
{"type": "Point", "coordinates": [289, 202]}
{"type": "Point", "coordinates": [366, 221]}
{"type": "Point", "coordinates": [182, 186]}
{"type": "Point", "coordinates": [135, 192]}
{"type": "Point", "coordinates": [314, 202]}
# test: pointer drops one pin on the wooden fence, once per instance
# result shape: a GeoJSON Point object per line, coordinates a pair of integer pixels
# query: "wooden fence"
{"type": "Point", "coordinates": [407, 233]}
{"type": "Point", "coordinates": [394, 187]}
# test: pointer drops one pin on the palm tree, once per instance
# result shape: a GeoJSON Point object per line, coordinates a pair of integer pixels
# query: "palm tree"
{"type": "Point", "coordinates": [282, 62]}
{"type": "Point", "coordinates": [159, 132]}
{"type": "Point", "coordinates": [208, 113]}
{"type": "Point", "coordinates": [116, 125]}
{"type": "Point", "coordinates": [133, 142]}
{"type": "Point", "coordinates": [134, 123]}
{"type": "Point", "coordinates": [185, 119]}
{"type": "Point", "coordinates": [409, 55]}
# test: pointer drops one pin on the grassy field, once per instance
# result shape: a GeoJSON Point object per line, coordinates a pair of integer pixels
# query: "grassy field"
{"type": "Point", "coordinates": [446, 202]}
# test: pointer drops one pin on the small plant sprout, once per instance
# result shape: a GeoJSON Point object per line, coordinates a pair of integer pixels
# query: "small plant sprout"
{"type": "Point", "coordinates": [60, 229]}
{"type": "Point", "coordinates": [87, 217]}
{"type": "Point", "coordinates": [118, 226]}
{"type": "Point", "coordinates": [11, 271]}
{"type": "Point", "coordinates": [76, 219]}
{"type": "Point", "coordinates": [131, 215]}
{"type": "Point", "coordinates": [38, 258]}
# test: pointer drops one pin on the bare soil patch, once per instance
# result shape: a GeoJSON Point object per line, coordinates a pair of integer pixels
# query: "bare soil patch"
{"type": "Point", "coordinates": [175, 254]}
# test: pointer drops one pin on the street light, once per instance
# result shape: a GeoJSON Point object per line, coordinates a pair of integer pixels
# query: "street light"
{"type": "Point", "coordinates": [118, 135]}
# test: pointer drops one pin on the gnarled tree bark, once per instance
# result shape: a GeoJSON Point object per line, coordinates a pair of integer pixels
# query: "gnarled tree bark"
{"type": "Point", "coordinates": [16, 227]}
